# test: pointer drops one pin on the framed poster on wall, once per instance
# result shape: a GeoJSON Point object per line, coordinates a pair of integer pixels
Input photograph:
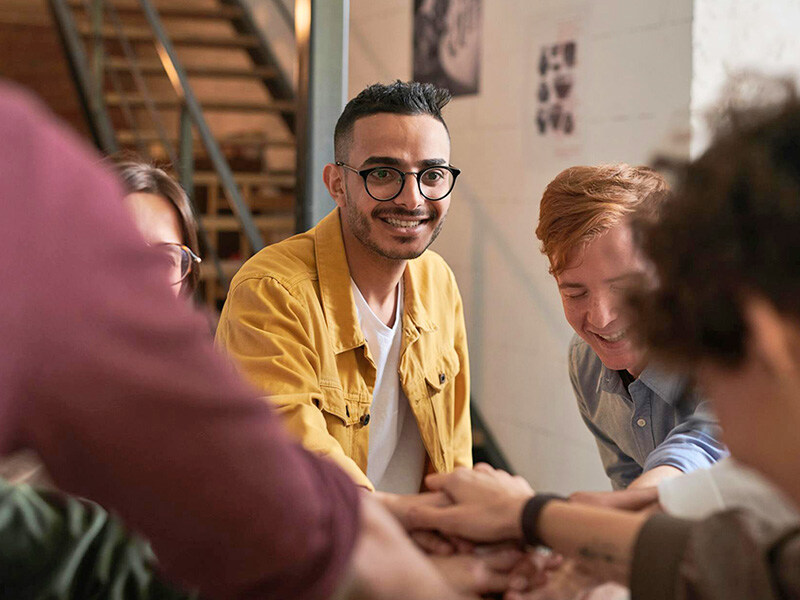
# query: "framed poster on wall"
{"type": "Point", "coordinates": [447, 44]}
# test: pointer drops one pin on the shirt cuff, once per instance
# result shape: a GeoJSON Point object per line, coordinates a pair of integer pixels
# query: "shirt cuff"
{"type": "Point", "coordinates": [657, 557]}
{"type": "Point", "coordinates": [686, 459]}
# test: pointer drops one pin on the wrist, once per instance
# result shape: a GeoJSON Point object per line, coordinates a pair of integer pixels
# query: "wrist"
{"type": "Point", "coordinates": [530, 515]}
{"type": "Point", "coordinates": [512, 512]}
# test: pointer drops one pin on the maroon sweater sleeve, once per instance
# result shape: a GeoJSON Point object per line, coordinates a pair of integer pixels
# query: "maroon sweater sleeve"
{"type": "Point", "coordinates": [116, 384]}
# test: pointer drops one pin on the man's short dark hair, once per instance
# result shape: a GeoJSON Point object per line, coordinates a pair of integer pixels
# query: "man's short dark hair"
{"type": "Point", "coordinates": [732, 228]}
{"type": "Point", "coordinates": [400, 97]}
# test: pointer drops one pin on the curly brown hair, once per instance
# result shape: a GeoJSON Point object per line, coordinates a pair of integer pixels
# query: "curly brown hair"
{"type": "Point", "coordinates": [733, 227]}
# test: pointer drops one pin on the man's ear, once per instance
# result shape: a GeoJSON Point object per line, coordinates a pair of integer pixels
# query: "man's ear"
{"type": "Point", "coordinates": [333, 176]}
{"type": "Point", "coordinates": [773, 337]}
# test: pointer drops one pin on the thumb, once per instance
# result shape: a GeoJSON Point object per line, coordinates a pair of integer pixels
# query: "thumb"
{"type": "Point", "coordinates": [436, 482]}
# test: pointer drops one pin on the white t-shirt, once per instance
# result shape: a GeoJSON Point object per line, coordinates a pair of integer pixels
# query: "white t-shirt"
{"type": "Point", "coordinates": [396, 458]}
{"type": "Point", "coordinates": [725, 485]}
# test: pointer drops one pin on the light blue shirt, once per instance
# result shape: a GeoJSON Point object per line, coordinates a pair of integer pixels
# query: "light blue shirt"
{"type": "Point", "coordinates": [658, 420]}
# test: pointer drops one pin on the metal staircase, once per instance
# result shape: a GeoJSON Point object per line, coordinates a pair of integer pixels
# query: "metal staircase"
{"type": "Point", "coordinates": [196, 85]}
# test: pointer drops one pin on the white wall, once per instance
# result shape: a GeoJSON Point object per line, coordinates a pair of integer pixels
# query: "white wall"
{"type": "Point", "coordinates": [633, 79]}
{"type": "Point", "coordinates": [731, 36]}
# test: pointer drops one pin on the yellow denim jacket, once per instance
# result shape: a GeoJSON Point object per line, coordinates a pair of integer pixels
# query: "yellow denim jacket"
{"type": "Point", "coordinates": [291, 325]}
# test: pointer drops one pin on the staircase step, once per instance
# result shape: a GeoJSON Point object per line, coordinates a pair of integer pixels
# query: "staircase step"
{"type": "Point", "coordinates": [273, 106]}
{"type": "Point", "coordinates": [280, 222]}
{"type": "Point", "coordinates": [170, 11]}
{"type": "Point", "coordinates": [154, 67]}
{"type": "Point", "coordinates": [284, 179]}
{"type": "Point", "coordinates": [128, 137]}
{"type": "Point", "coordinates": [229, 269]}
{"type": "Point", "coordinates": [144, 34]}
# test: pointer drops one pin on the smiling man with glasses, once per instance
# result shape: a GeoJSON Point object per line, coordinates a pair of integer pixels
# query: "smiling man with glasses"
{"type": "Point", "coordinates": [352, 329]}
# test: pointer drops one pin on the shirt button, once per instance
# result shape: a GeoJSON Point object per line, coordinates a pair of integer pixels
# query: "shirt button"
{"type": "Point", "coordinates": [365, 419]}
{"type": "Point", "coordinates": [641, 422]}
{"type": "Point", "coordinates": [442, 378]}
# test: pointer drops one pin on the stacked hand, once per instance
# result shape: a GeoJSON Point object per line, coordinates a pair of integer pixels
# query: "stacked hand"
{"type": "Point", "coordinates": [457, 508]}
{"type": "Point", "coordinates": [471, 522]}
{"type": "Point", "coordinates": [486, 505]}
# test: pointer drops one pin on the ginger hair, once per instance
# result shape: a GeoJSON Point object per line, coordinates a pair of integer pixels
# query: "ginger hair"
{"type": "Point", "coordinates": [583, 202]}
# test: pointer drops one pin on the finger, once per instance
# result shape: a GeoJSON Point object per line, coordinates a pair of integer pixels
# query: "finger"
{"type": "Point", "coordinates": [530, 572]}
{"type": "Point", "coordinates": [523, 483]}
{"type": "Point", "coordinates": [443, 519]}
{"type": "Point", "coordinates": [437, 481]}
{"type": "Point", "coordinates": [500, 557]}
{"type": "Point", "coordinates": [461, 545]}
{"type": "Point", "coordinates": [469, 574]}
{"type": "Point", "coordinates": [491, 581]}
{"type": "Point", "coordinates": [483, 467]}
{"type": "Point", "coordinates": [432, 543]}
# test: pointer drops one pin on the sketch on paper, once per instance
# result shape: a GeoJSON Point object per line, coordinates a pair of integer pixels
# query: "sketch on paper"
{"type": "Point", "coordinates": [556, 86]}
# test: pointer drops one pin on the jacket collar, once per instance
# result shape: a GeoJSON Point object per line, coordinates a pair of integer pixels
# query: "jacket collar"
{"type": "Point", "coordinates": [415, 312]}
{"type": "Point", "coordinates": [334, 285]}
{"type": "Point", "coordinates": [337, 298]}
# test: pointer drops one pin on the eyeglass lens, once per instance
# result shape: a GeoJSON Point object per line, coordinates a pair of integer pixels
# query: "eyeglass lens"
{"type": "Point", "coordinates": [178, 261]}
{"type": "Point", "coordinates": [384, 183]}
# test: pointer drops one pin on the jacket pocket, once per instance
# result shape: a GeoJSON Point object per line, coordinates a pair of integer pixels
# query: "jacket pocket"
{"type": "Point", "coordinates": [442, 372]}
{"type": "Point", "coordinates": [440, 376]}
{"type": "Point", "coordinates": [334, 405]}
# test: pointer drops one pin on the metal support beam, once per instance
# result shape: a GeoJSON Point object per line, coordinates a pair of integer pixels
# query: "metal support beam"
{"type": "Point", "coordinates": [322, 30]}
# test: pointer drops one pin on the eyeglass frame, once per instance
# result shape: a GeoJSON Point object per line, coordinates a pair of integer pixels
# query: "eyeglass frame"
{"type": "Point", "coordinates": [365, 172]}
{"type": "Point", "coordinates": [193, 258]}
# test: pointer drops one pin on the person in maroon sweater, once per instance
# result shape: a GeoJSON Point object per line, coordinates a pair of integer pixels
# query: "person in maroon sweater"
{"type": "Point", "coordinates": [114, 382]}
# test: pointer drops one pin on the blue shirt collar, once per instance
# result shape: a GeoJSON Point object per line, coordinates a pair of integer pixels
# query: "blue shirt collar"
{"type": "Point", "coordinates": [668, 386]}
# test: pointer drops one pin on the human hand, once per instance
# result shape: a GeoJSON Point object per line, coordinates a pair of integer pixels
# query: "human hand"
{"type": "Point", "coordinates": [479, 572]}
{"type": "Point", "coordinates": [430, 542]}
{"type": "Point", "coordinates": [496, 568]}
{"type": "Point", "coordinates": [571, 582]}
{"type": "Point", "coordinates": [400, 504]}
{"type": "Point", "coordinates": [433, 542]}
{"type": "Point", "coordinates": [534, 569]}
{"type": "Point", "coordinates": [383, 560]}
{"type": "Point", "coordinates": [487, 505]}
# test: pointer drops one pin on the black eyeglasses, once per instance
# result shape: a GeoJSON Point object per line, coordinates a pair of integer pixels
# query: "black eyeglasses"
{"type": "Point", "coordinates": [386, 183]}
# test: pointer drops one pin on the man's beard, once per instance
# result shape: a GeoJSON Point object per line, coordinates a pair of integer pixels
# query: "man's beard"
{"type": "Point", "coordinates": [361, 227]}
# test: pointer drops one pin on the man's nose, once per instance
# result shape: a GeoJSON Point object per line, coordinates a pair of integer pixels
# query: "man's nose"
{"type": "Point", "coordinates": [602, 312]}
{"type": "Point", "coordinates": [410, 198]}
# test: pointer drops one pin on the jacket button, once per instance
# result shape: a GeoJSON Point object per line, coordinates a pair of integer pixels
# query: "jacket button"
{"type": "Point", "coordinates": [365, 419]}
{"type": "Point", "coordinates": [442, 378]}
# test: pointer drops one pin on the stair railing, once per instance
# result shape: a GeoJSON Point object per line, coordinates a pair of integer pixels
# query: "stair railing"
{"type": "Point", "coordinates": [93, 105]}
{"type": "Point", "coordinates": [180, 82]}
{"type": "Point", "coordinates": [90, 89]}
{"type": "Point", "coordinates": [141, 87]}
{"type": "Point", "coordinates": [182, 161]}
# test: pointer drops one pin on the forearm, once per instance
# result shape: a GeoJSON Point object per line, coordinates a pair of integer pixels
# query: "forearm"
{"type": "Point", "coordinates": [602, 540]}
{"type": "Point", "coordinates": [653, 477]}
